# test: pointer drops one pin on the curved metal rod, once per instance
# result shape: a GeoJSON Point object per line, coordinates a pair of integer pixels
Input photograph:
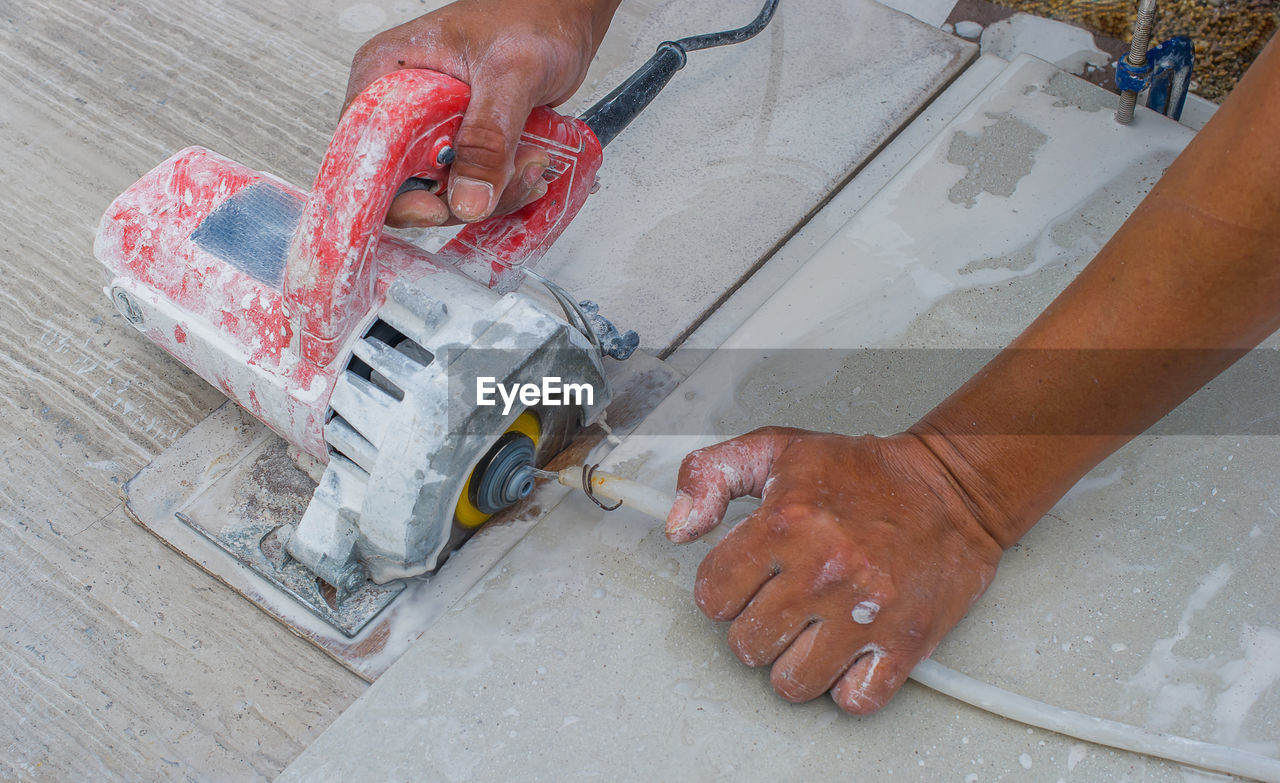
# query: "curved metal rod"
{"type": "Point", "coordinates": [572, 312]}
{"type": "Point", "coordinates": [587, 473]}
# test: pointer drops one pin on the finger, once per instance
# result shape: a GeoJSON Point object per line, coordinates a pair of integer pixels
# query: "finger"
{"type": "Point", "coordinates": [530, 196]}
{"type": "Point", "coordinates": [421, 209]}
{"type": "Point", "coordinates": [770, 623]}
{"type": "Point", "coordinates": [528, 185]}
{"type": "Point", "coordinates": [813, 663]}
{"type": "Point", "coordinates": [872, 680]}
{"type": "Point", "coordinates": [734, 570]}
{"type": "Point", "coordinates": [486, 145]}
{"type": "Point", "coordinates": [415, 209]}
{"type": "Point", "coordinates": [711, 477]}
{"type": "Point", "coordinates": [818, 659]}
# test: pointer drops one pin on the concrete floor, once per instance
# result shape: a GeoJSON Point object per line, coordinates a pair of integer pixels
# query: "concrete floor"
{"type": "Point", "coordinates": [118, 660]}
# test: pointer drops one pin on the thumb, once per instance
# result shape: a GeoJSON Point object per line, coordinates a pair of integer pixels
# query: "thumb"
{"type": "Point", "coordinates": [713, 476]}
{"type": "Point", "coordinates": [486, 144]}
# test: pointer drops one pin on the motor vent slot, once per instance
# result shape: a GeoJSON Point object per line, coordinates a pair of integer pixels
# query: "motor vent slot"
{"type": "Point", "coordinates": [347, 441]}
{"type": "Point", "coordinates": [365, 401]}
{"type": "Point", "coordinates": [387, 358]}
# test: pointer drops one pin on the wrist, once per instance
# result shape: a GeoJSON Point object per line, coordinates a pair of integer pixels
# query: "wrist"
{"type": "Point", "coordinates": [602, 17]}
{"type": "Point", "coordinates": [1009, 479]}
{"type": "Point", "coordinates": [969, 463]}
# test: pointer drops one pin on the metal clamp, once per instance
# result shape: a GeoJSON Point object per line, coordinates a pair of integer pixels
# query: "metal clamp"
{"type": "Point", "coordinates": [1165, 71]}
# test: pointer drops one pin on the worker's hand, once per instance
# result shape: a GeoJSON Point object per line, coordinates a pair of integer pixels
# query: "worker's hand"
{"type": "Point", "coordinates": [515, 54]}
{"type": "Point", "coordinates": [861, 557]}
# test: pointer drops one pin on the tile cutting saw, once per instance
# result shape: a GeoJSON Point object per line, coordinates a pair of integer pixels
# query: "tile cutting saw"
{"type": "Point", "coordinates": [359, 350]}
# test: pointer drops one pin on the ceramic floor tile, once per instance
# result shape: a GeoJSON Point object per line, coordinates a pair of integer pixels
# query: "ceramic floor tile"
{"type": "Point", "coordinates": [741, 147]}
{"type": "Point", "coordinates": [1148, 595]}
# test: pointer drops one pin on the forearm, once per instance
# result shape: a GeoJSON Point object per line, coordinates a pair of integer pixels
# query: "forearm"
{"type": "Point", "coordinates": [1188, 284]}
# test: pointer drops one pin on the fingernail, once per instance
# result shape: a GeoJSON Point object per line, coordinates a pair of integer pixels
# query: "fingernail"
{"type": "Point", "coordinates": [531, 177]}
{"type": "Point", "coordinates": [678, 517]}
{"type": "Point", "coordinates": [471, 199]}
{"type": "Point", "coordinates": [426, 216]}
{"type": "Point", "coordinates": [417, 213]}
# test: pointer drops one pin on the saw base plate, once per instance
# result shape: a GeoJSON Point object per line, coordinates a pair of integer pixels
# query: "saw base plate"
{"type": "Point", "coordinates": [232, 480]}
{"type": "Point", "coordinates": [242, 507]}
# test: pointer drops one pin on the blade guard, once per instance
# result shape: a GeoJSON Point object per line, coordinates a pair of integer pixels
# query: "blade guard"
{"type": "Point", "coordinates": [394, 130]}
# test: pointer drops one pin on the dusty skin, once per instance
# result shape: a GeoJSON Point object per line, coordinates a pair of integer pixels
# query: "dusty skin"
{"type": "Point", "coordinates": [798, 576]}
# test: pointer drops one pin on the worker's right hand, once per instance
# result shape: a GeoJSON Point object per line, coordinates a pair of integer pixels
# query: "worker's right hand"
{"type": "Point", "coordinates": [515, 54]}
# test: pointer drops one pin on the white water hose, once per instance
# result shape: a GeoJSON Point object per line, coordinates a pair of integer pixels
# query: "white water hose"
{"type": "Point", "coordinates": [1206, 755]}
{"type": "Point", "coordinates": [935, 676]}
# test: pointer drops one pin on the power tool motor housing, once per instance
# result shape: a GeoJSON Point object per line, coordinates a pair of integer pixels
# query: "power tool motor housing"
{"type": "Point", "coordinates": [361, 349]}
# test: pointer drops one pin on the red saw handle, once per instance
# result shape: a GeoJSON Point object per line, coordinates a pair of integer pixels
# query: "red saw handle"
{"type": "Point", "coordinates": [394, 130]}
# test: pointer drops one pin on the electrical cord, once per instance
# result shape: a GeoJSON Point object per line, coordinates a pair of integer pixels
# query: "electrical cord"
{"type": "Point", "coordinates": [695, 42]}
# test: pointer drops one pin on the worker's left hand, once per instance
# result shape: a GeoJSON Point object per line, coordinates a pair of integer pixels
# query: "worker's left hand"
{"type": "Point", "coordinates": [861, 557]}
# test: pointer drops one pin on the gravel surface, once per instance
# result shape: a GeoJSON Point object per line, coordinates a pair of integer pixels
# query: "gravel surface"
{"type": "Point", "coordinates": [1228, 34]}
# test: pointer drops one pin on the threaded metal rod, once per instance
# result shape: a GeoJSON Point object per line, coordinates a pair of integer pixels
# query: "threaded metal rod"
{"type": "Point", "coordinates": [1137, 57]}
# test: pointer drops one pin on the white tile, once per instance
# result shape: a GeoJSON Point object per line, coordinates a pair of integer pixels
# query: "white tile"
{"type": "Point", "coordinates": [931, 12]}
{"type": "Point", "coordinates": [741, 147]}
{"type": "Point", "coordinates": [582, 654]}
{"type": "Point", "coordinates": [1197, 111]}
{"type": "Point", "coordinates": [1035, 155]}
{"type": "Point", "coordinates": [1069, 47]}
{"type": "Point", "coordinates": [843, 205]}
